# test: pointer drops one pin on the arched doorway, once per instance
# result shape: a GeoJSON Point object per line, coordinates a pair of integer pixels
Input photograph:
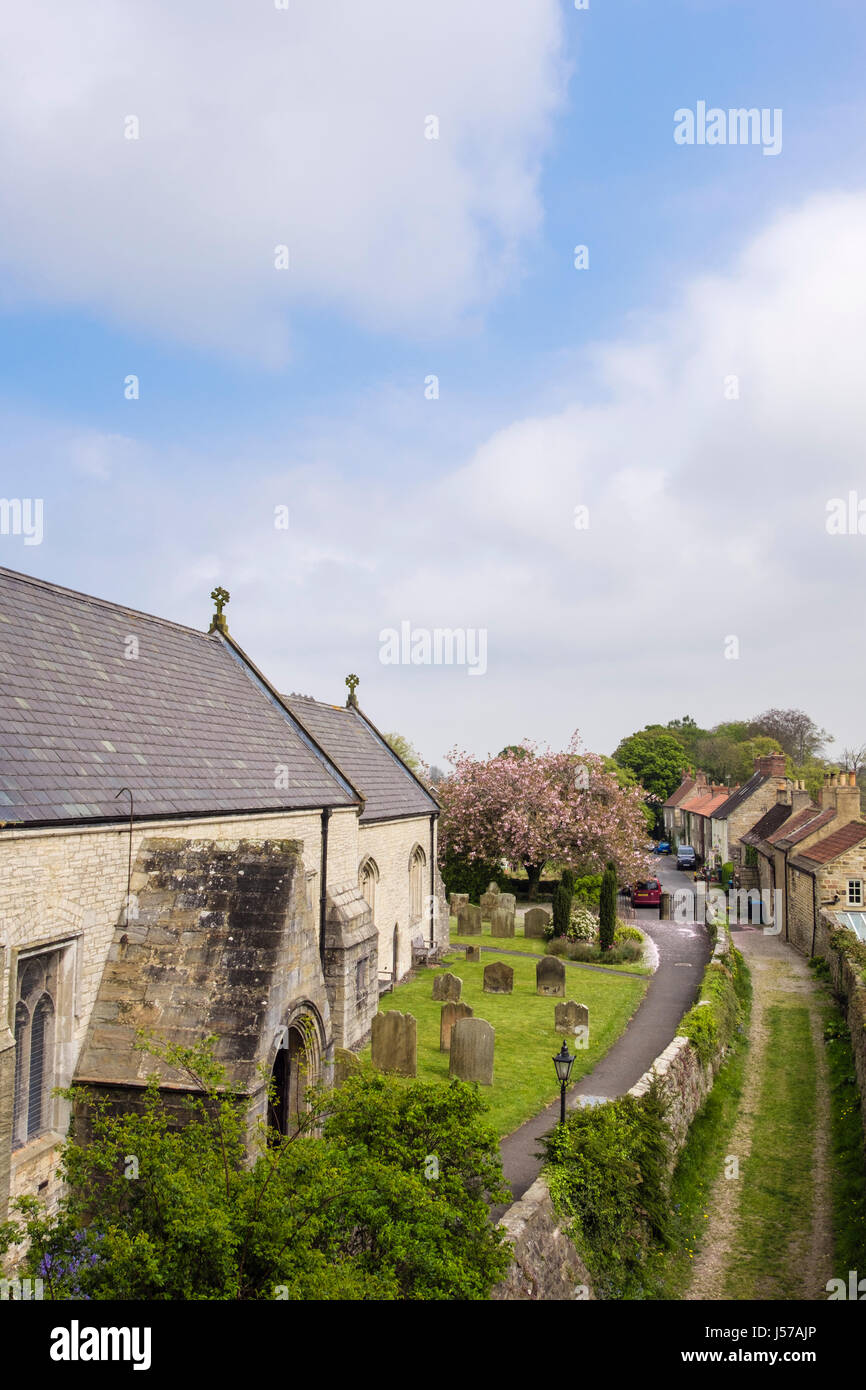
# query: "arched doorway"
{"type": "Point", "coordinates": [290, 1076]}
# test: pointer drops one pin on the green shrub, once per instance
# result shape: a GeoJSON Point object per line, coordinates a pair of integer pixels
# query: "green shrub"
{"type": "Point", "coordinates": [461, 875]}
{"type": "Point", "coordinates": [566, 878]}
{"type": "Point", "coordinates": [626, 933]}
{"type": "Point", "coordinates": [587, 888]}
{"type": "Point", "coordinates": [590, 951]}
{"type": "Point", "coordinates": [726, 873]}
{"type": "Point", "coordinates": [607, 1170]}
{"type": "Point", "coordinates": [561, 910]}
{"type": "Point", "coordinates": [607, 908]}
{"type": "Point", "coordinates": [710, 1025]}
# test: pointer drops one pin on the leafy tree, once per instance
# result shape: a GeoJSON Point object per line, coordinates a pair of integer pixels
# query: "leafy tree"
{"type": "Point", "coordinates": [797, 734]}
{"type": "Point", "coordinates": [563, 807]}
{"type": "Point", "coordinates": [607, 908]}
{"type": "Point", "coordinates": [403, 748]}
{"type": "Point", "coordinates": [656, 758]}
{"type": "Point", "coordinates": [356, 1214]}
{"type": "Point", "coordinates": [562, 900]}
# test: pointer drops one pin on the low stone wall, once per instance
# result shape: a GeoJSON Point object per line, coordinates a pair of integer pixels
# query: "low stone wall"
{"type": "Point", "coordinates": [546, 1265]}
{"type": "Point", "coordinates": [848, 984]}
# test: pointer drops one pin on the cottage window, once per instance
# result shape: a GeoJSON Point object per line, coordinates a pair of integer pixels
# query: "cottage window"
{"type": "Point", "coordinates": [855, 892]}
{"type": "Point", "coordinates": [35, 1013]}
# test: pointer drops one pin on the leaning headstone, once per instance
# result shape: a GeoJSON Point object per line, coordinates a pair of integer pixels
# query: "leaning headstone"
{"type": "Point", "coordinates": [472, 1051]}
{"type": "Point", "coordinates": [507, 901]}
{"type": "Point", "coordinates": [469, 920]}
{"type": "Point", "coordinates": [498, 978]}
{"type": "Point", "coordinates": [489, 901]}
{"type": "Point", "coordinates": [451, 1014]}
{"type": "Point", "coordinates": [447, 988]}
{"type": "Point", "coordinates": [394, 1038]}
{"type": "Point", "coordinates": [456, 901]}
{"type": "Point", "coordinates": [550, 976]}
{"type": "Point", "coordinates": [534, 922]}
{"type": "Point", "coordinates": [473, 955]}
{"type": "Point", "coordinates": [568, 1018]}
{"type": "Point", "coordinates": [501, 922]}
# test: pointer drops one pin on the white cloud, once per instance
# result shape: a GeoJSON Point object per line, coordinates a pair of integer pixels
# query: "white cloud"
{"type": "Point", "coordinates": [707, 519]}
{"type": "Point", "coordinates": [262, 127]}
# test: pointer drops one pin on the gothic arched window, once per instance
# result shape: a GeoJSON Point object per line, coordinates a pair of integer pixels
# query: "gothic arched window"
{"type": "Point", "coordinates": [35, 1012]}
{"type": "Point", "coordinates": [416, 882]}
{"type": "Point", "coordinates": [368, 877]}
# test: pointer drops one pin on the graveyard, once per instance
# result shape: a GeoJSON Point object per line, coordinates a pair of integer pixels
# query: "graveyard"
{"type": "Point", "coordinates": [523, 1022]}
{"type": "Point", "coordinates": [529, 945]}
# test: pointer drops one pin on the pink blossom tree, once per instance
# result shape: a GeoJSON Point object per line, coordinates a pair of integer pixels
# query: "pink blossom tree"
{"type": "Point", "coordinates": [530, 806]}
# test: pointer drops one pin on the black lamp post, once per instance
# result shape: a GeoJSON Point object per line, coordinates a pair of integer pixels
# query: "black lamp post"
{"type": "Point", "coordinates": [563, 1061]}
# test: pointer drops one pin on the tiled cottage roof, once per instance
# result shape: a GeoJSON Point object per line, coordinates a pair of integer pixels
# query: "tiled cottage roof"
{"type": "Point", "coordinates": [389, 788]}
{"type": "Point", "coordinates": [707, 805]}
{"type": "Point", "coordinates": [186, 722]}
{"type": "Point", "coordinates": [836, 843]}
{"type": "Point", "coordinates": [768, 824]}
{"type": "Point", "coordinates": [800, 826]}
{"type": "Point", "coordinates": [742, 794]}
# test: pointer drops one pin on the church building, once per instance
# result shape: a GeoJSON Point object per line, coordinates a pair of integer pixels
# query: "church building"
{"type": "Point", "coordinates": [185, 851]}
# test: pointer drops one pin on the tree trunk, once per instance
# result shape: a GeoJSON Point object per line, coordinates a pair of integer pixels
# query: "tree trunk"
{"type": "Point", "coordinates": [534, 872]}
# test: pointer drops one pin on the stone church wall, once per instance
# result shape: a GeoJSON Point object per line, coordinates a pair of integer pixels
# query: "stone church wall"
{"type": "Point", "coordinates": [390, 845]}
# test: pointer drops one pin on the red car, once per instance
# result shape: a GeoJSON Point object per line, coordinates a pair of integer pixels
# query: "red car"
{"type": "Point", "coordinates": [646, 893]}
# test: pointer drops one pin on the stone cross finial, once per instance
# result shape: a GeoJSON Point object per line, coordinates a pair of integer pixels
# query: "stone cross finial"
{"type": "Point", "coordinates": [352, 701]}
{"type": "Point", "coordinates": [220, 597]}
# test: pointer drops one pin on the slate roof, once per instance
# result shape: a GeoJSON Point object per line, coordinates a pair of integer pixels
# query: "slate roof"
{"type": "Point", "coordinates": [359, 750]}
{"type": "Point", "coordinates": [737, 798]}
{"type": "Point", "coordinates": [846, 837]}
{"type": "Point", "coordinates": [800, 826]}
{"type": "Point", "coordinates": [768, 824]}
{"type": "Point", "coordinates": [188, 725]}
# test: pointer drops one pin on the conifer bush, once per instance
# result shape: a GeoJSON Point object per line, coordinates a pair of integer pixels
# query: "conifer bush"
{"type": "Point", "coordinates": [607, 908]}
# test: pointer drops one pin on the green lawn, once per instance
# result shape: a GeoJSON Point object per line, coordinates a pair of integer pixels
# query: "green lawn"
{"type": "Point", "coordinates": [531, 945]}
{"type": "Point", "coordinates": [524, 1080]}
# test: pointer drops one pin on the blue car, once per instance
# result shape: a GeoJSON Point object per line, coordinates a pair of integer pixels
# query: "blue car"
{"type": "Point", "coordinates": [663, 847]}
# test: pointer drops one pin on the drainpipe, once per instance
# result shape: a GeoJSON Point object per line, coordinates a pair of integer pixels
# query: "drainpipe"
{"type": "Point", "coordinates": [432, 882]}
{"type": "Point", "coordinates": [814, 911]}
{"type": "Point", "coordinates": [323, 878]}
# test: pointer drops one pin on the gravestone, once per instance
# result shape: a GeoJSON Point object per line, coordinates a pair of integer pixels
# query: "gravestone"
{"type": "Point", "coordinates": [394, 1038]}
{"type": "Point", "coordinates": [456, 901]}
{"type": "Point", "coordinates": [507, 901]}
{"type": "Point", "coordinates": [469, 920]}
{"type": "Point", "coordinates": [472, 1051]}
{"type": "Point", "coordinates": [473, 955]}
{"type": "Point", "coordinates": [568, 1018]}
{"type": "Point", "coordinates": [489, 901]}
{"type": "Point", "coordinates": [501, 922]}
{"type": "Point", "coordinates": [451, 1014]}
{"type": "Point", "coordinates": [498, 978]}
{"type": "Point", "coordinates": [534, 922]}
{"type": "Point", "coordinates": [550, 976]}
{"type": "Point", "coordinates": [447, 988]}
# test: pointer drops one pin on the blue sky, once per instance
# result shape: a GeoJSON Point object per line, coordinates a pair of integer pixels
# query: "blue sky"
{"type": "Point", "coordinates": [410, 257]}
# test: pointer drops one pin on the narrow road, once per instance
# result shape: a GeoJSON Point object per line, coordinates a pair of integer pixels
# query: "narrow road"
{"type": "Point", "coordinates": [683, 954]}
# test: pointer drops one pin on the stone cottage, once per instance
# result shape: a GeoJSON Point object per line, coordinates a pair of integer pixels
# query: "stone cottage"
{"type": "Point", "coordinates": [188, 852]}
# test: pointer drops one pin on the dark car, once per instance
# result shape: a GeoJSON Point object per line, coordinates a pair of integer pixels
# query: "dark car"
{"type": "Point", "coordinates": [686, 857]}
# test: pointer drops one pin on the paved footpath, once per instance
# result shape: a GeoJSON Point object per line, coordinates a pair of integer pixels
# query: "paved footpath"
{"type": "Point", "coordinates": [683, 955]}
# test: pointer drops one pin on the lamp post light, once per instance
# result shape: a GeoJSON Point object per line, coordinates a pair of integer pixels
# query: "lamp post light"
{"type": "Point", "coordinates": [563, 1061]}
